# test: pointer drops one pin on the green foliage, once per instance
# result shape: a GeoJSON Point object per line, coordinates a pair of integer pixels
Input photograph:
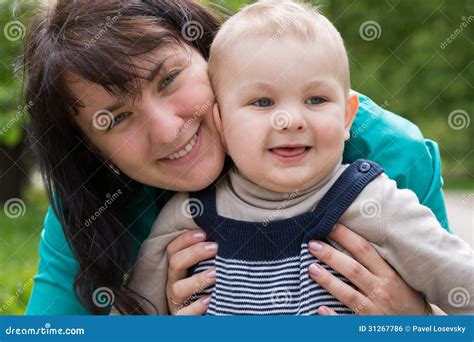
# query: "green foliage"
{"type": "Point", "coordinates": [19, 238]}
{"type": "Point", "coordinates": [415, 68]}
{"type": "Point", "coordinates": [13, 116]}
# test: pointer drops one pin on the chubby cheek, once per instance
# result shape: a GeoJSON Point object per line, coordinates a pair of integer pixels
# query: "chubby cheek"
{"type": "Point", "coordinates": [329, 135]}
{"type": "Point", "coordinates": [244, 137]}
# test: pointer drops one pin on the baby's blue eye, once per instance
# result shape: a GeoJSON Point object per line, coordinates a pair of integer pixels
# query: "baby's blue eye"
{"type": "Point", "coordinates": [264, 102]}
{"type": "Point", "coordinates": [315, 100]}
{"type": "Point", "coordinates": [119, 118]}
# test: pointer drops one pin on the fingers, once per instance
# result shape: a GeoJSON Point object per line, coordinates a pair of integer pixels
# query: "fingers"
{"type": "Point", "coordinates": [361, 249]}
{"type": "Point", "coordinates": [325, 311]}
{"type": "Point", "coordinates": [182, 290]}
{"type": "Point", "coordinates": [199, 307]}
{"type": "Point", "coordinates": [185, 240]}
{"type": "Point", "coordinates": [340, 290]}
{"type": "Point", "coordinates": [180, 261]}
{"type": "Point", "coordinates": [344, 264]}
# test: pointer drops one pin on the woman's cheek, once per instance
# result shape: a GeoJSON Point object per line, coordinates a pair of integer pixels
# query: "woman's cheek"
{"type": "Point", "coordinates": [128, 153]}
{"type": "Point", "coordinates": [196, 96]}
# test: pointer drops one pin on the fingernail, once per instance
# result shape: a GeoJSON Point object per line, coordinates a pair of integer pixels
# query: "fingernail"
{"type": "Point", "coordinates": [211, 246]}
{"type": "Point", "coordinates": [206, 300]}
{"type": "Point", "coordinates": [315, 246]}
{"type": "Point", "coordinates": [211, 273]}
{"type": "Point", "coordinates": [314, 270]}
{"type": "Point", "coordinates": [199, 236]}
{"type": "Point", "coordinates": [323, 311]}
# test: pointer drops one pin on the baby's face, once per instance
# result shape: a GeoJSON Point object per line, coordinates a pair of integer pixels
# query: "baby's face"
{"type": "Point", "coordinates": [284, 111]}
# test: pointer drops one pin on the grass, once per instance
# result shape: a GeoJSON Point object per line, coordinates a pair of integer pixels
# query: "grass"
{"type": "Point", "coordinates": [19, 238]}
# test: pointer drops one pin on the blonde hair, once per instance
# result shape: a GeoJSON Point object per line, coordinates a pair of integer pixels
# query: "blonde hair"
{"type": "Point", "coordinates": [275, 19]}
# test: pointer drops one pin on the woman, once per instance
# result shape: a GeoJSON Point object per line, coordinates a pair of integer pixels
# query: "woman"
{"type": "Point", "coordinates": [117, 97]}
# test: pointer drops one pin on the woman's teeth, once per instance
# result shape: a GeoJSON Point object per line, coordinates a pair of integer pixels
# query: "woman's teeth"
{"type": "Point", "coordinates": [188, 148]}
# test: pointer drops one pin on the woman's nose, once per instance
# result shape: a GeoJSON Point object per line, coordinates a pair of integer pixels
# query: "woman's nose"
{"type": "Point", "coordinates": [163, 124]}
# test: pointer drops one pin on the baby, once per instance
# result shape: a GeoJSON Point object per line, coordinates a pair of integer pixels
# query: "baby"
{"type": "Point", "coordinates": [281, 77]}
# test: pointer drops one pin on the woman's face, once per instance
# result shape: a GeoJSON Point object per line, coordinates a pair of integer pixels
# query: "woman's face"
{"type": "Point", "coordinates": [166, 136]}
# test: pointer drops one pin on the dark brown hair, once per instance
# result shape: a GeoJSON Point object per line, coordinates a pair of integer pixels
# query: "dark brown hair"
{"type": "Point", "coordinates": [98, 41]}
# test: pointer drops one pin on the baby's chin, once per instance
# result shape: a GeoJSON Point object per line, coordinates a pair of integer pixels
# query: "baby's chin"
{"type": "Point", "coordinates": [287, 184]}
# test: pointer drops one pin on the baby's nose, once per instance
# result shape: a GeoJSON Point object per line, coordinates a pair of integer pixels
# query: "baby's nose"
{"type": "Point", "coordinates": [283, 120]}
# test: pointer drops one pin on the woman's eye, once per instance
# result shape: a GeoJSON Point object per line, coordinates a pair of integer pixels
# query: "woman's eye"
{"type": "Point", "coordinates": [315, 100]}
{"type": "Point", "coordinates": [262, 102]}
{"type": "Point", "coordinates": [119, 118]}
{"type": "Point", "coordinates": [168, 80]}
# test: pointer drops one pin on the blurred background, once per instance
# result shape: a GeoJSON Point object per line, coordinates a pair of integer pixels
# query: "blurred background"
{"type": "Point", "coordinates": [415, 58]}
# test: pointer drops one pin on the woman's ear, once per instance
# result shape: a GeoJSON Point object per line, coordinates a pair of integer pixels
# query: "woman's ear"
{"type": "Point", "coordinates": [218, 123]}
{"type": "Point", "coordinates": [352, 105]}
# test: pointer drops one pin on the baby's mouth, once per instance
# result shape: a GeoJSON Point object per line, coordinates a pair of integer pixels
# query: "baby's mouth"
{"type": "Point", "coordinates": [290, 150]}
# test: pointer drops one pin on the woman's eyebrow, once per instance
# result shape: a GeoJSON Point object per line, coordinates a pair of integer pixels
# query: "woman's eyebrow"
{"type": "Point", "coordinates": [113, 107]}
{"type": "Point", "coordinates": [151, 76]}
{"type": "Point", "coordinates": [158, 66]}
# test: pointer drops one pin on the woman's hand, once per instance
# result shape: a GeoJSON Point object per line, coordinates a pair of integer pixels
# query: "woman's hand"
{"type": "Point", "coordinates": [382, 290]}
{"type": "Point", "coordinates": [185, 251]}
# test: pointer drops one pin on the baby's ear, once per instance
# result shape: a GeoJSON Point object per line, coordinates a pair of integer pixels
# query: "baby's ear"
{"type": "Point", "coordinates": [218, 123]}
{"type": "Point", "coordinates": [352, 106]}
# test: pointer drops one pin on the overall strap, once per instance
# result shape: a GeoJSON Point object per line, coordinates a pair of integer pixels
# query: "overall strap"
{"type": "Point", "coordinates": [202, 208]}
{"type": "Point", "coordinates": [341, 195]}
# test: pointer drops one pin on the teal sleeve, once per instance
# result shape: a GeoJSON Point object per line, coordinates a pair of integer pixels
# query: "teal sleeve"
{"type": "Point", "coordinates": [53, 292]}
{"type": "Point", "coordinates": [399, 147]}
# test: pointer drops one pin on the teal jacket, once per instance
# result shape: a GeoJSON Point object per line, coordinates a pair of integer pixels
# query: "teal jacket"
{"type": "Point", "coordinates": [377, 134]}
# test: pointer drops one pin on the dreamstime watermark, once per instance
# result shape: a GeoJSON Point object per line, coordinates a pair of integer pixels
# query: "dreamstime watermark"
{"type": "Point", "coordinates": [465, 22]}
{"type": "Point", "coordinates": [370, 208]}
{"type": "Point", "coordinates": [200, 110]}
{"type": "Point", "coordinates": [290, 198]}
{"type": "Point", "coordinates": [108, 24]}
{"type": "Point", "coordinates": [21, 288]}
{"type": "Point", "coordinates": [192, 31]}
{"type": "Point", "coordinates": [459, 297]}
{"type": "Point", "coordinates": [22, 110]}
{"type": "Point", "coordinates": [370, 30]}
{"type": "Point", "coordinates": [281, 119]}
{"type": "Point", "coordinates": [14, 208]}
{"type": "Point", "coordinates": [102, 297]}
{"type": "Point", "coordinates": [366, 124]}
{"type": "Point", "coordinates": [467, 198]}
{"type": "Point", "coordinates": [194, 296]}
{"type": "Point", "coordinates": [459, 119]}
{"type": "Point", "coordinates": [14, 30]}
{"type": "Point", "coordinates": [110, 199]}
{"type": "Point", "coordinates": [46, 330]}
{"type": "Point", "coordinates": [102, 119]}
{"type": "Point", "coordinates": [278, 33]}
{"type": "Point", "coordinates": [376, 289]}
{"type": "Point", "coordinates": [192, 208]}
{"type": "Point", "coordinates": [281, 297]}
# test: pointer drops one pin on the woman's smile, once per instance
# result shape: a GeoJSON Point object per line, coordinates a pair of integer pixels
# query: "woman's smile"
{"type": "Point", "coordinates": [186, 152]}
